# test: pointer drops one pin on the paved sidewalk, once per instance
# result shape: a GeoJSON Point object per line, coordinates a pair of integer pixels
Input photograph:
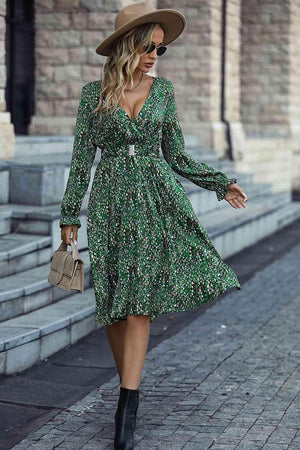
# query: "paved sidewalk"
{"type": "Point", "coordinates": [228, 380]}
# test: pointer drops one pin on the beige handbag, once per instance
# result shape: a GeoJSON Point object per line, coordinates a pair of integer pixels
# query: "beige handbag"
{"type": "Point", "coordinates": [67, 269]}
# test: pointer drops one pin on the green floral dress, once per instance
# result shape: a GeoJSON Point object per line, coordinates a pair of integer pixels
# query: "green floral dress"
{"type": "Point", "coordinates": [148, 252]}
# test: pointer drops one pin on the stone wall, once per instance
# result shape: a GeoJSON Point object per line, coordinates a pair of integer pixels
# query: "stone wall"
{"type": "Point", "coordinates": [193, 63]}
{"type": "Point", "coordinates": [70, 32]}
{"type": "Point", "coordinates": [270, 84]}
{"type": "Point", "coordinates": [67, 34]}
{"type": "Point", "coordinates": [265, 67]}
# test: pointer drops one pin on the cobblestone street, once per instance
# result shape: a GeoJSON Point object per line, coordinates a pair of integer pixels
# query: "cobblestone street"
{"type": "Point", "coordinates": [141, 147]}
{"type": "Point", "coordinates": [229, 380]}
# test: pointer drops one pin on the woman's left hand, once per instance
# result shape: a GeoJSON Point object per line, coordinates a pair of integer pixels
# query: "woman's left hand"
{"type": "Point", "coordinates": [235, 196]}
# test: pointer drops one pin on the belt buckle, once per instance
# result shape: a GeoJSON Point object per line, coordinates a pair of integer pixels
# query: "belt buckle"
{"type": "Point", "coordinates": [131, 149]}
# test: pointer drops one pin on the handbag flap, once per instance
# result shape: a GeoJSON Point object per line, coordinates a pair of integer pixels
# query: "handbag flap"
{"type": "Point", "coordinates": [62, 262]}
{"type": "Point", "coordinates": [67, 270]}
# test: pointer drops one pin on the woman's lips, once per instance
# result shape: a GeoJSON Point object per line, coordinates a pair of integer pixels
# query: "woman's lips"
{"type": "Point", "coordinates": [149, 64]}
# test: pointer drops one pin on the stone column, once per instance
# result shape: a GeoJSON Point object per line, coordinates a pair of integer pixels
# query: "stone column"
{"type": "Point", "coordinates": [294, 86]}
{"type": "Point", "coordinates": [265, 90]}
{"type": "Point", "coordinates": [265, 67]}
{"type": "Point", "coordinates": [232, 80]}
{"type": "Point", "coordinates": [7, 136]}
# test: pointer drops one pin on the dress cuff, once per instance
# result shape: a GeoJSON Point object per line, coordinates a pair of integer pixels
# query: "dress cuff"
{"type": "Point", "coordinates": [69, 220]}
{"type": "Point", "coordinates": [221, 190]}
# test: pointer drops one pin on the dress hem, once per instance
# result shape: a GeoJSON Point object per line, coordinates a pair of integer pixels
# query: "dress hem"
{"type": "Point", "coordinates": [154, 316]}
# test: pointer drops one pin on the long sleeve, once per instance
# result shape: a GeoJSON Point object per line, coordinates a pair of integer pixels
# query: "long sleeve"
{"type": "Point", "coordinates": [83, 155]}
{"type": "Point", "coordinates": [173, 145]}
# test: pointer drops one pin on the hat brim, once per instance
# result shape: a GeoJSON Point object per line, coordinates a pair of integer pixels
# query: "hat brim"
{"type": "Point", "coordinates": [172, 21]}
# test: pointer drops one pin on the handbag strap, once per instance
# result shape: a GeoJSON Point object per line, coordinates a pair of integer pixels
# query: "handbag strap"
{"type": "Point", "coordinates": [75, 253]}
{"type": "Point", "coordinates": [74, 271]}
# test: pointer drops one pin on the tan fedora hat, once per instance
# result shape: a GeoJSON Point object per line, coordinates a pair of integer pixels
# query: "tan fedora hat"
{"type": "Point", "coordinates": [172, 21]}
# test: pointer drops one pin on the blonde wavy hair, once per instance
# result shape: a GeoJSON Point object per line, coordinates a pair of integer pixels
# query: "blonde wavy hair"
{"type": "Point", "coordinates": [120, 64]}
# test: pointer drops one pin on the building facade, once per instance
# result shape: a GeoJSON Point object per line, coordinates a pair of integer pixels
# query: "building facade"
{"type": "Point", "coordinates": [235, 69]}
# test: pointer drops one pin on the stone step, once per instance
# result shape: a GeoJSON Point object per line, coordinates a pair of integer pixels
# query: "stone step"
{"type": "Point", "coordinates": [242, 178]}
{"type": "Point", "coordinates": [38, 219]}
{"type": "Point", "coordinates": [230, 217]}
{"type": "Point", "coordinates": [44, 220]}
{"type": "Point", "coordinates": [19, 252]}
{"type": "Point", "coordinates": [32, 337]}
{"type": "Point", "coordinates": [48, 159]}
{"type": "Point", "coordinates": [4, 182]}
{"type": "Point", "coordinates": [204, 201]}
{"type": "Point", "coordinates": [5, 218]}
{"type": "Point", "coordinates": [30, 289]}
{"type": "Point", "coordinates": [219, 164]}
{"type": "Point", "coordinates": [235, 229]}
{"type": "Point", "coordinates": [38, 181]}
{"type": "Point", "coordinates": [288, 214]}
{"type": "Point", "coordinates": [203, 154]}
{"type": "Point", "coordinates": [32, 146]}
{"type": "Point", "coordinates": [192, 141]}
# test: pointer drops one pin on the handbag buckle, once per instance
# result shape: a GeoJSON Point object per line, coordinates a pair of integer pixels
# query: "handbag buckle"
{"type": "Point", "coordinates": [131, 149]}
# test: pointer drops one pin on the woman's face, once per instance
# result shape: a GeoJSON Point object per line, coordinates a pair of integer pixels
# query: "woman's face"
{"type": "Point", "coordinates": [148, 59]}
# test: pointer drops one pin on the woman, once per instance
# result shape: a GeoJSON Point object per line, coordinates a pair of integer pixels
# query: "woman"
{"type": "Point", "coordinates": [149, 254]}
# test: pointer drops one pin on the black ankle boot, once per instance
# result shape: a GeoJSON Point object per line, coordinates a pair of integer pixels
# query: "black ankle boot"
{"type": "Point", "coordinates": [125, 418]}
{"type": "Point", "coordinates": [137, 400]}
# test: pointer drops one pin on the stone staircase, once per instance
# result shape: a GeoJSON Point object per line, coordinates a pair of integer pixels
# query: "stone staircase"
{"type": "Point", "coordinates": [36, 318]}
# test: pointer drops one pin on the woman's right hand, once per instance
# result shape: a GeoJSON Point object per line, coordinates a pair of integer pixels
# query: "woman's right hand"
{"type": "Point", "coordinates": [66, 231]}
{"type": "Point", "coordinates": [235, 196]}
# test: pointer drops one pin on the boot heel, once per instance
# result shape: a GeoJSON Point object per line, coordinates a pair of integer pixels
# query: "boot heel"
{"type": "Point", "coordinates": [125, 418]}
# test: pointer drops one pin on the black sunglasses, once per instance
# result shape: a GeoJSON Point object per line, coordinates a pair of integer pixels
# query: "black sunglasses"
{"type": "Point", "coordinates": [160, 48]}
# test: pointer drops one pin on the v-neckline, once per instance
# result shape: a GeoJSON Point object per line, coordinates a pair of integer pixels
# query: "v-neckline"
{"type": "Point", "coordinates": [144, 105]}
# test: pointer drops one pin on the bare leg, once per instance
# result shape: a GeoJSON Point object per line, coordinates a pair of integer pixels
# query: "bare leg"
{"type": "Point", "coordinates": [134, 351]}
{"type": "Point", "coordinates": [135, 348]}
{"type": "Point", "coordinates": [115, 334]}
